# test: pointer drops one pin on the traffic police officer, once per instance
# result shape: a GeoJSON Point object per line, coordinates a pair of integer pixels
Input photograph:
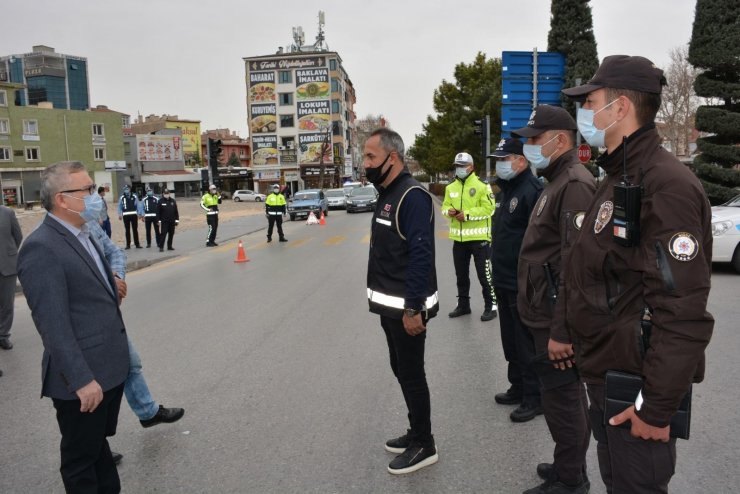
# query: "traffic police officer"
{"type": "Point", "coordinates": [168, 218]}
{"type": "Point", "coordinates": [543, 260]}
{"type": "Point", "coordinates": [645, 247]}
{"type": "Point", "coordinates": [209, 202]}
{"type": "Point", "coordinates": [469, 204]}
{"type": "Point", "coordinates": [275, 208]}
{"type": "Point", "coordinates": [128, 211]}
{"type": "Point", "coordinates": [520, 190]}
{"type": "Point", "coordinates": [151, 210]}
{"type": "Point", "coordinates": [402, 288]}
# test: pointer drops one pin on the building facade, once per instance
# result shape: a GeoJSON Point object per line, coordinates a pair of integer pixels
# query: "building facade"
{"type": "Point", "coordinates": [189, 131]}
{"type": "Point", "coordinates": [48, 77]}
{"type": "Point", "coordinates": [33, 137]}
{"type": "Point", "coordinates": [300, 109]}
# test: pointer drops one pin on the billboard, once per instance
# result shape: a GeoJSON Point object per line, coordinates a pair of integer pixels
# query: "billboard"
{"type": "Point", "coordinates": [309, 148]}
{"type": "Point", "coordinates": [264, 150]}
{"type": "Point", "coordinates": [261, 87]}
{"type": "Point", "coordinates": [314, 116]}
{"type": "Point", "coordinates": [190, 136]}
{"type": "Point", "coordinates": [263, 118]}
{"type": "Point", "coordinates": [159, 148]}
{"type": "Point", "coordinates": [312, 84]}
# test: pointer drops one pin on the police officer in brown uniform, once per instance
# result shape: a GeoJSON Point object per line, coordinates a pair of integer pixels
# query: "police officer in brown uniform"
{"type": "Point", "coordinates": [543, 260]}
{"type": "Point", "coordinates": [645, 246]}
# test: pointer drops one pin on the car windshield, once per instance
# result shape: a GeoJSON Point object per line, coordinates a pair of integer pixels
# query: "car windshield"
{"type": "Point", "coordinates": [734, 202]}
{"type": "Point", "coordinates": [363, 191]}
{"type": "Point", "coordinates": [306, 196]}
{"type": "Point", "coordinates": [335, 193]}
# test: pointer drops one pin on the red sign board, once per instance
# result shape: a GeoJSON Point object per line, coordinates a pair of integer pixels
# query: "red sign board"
{"type": "Point", "coordinates": [584, 153]}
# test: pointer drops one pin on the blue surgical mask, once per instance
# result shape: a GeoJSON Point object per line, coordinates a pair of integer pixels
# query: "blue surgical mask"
{"type": "Point", "coordinates": [504, 170]}
{"type": "Point", "coordinates": [533, 153]}
{"type": "Point", "coordinates": [150, 193]}
{"type": "Point", "coordinates": [93, 207]}
{"type": "Point", "coordinates": [461, 172]}
{"type": "Point", "coordinates": [585, 120]}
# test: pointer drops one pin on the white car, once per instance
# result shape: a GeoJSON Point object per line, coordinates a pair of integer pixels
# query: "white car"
{"type": "Point", "coordinates": [726, 233]}
{"type": "Point", "coordinates": [337, 198]}
{"type": "Point", "coordinates": [248, 195]}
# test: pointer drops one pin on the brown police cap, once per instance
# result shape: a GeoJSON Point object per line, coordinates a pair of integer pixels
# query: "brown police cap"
{"type": "Point", "coordinates": [544, 118]}
{"type": "Point", "coordinates": [622, 72]}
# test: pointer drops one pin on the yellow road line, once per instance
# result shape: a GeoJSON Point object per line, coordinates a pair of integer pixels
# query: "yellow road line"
{"type": "Point", "coordinates": [365, 239]}
{"type": "Point", "coordinates": [297, 243]}
{"type": "Point", "coordinates": [335, 240]}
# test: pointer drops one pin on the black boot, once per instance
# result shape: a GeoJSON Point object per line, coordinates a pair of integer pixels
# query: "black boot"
{"type": "Point", "coordinates": [463, 307]}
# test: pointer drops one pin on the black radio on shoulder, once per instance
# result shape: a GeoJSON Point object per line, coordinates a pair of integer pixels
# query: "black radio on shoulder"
{"type": "Point", "coordinates": [627, 200]}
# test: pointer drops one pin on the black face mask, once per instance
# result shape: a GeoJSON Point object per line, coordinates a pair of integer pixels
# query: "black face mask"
{"type": "Point", "coordinates": [377, 176]}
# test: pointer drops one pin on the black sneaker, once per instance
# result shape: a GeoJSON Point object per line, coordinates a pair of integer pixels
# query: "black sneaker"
{"type": "Point", "coordinates": [488, 314]}
{"type": "Point", "coordinates": [525, 412]}
{"type": "Point", "coordinates": [117, 457]}
{"type": "Point", "coordinates": [398, 445]}
{"type": "Point", "coordinates": [283, 239]}
{"type": "Point", "coordinates": [460, 310]}
{"type": "Point", "coordinates": [557, 487]}
{"type": "Point", "coordinates": [508, 398]}
{"type": "Point", "coordinates": [414, 458]}
{"type": "Point", "coordinates": [545, 470]}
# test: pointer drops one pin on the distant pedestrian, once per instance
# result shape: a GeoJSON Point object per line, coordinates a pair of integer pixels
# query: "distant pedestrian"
{"type": "Point", "coordinates": [10, 241]}
{"type": "Point", "coordinates": [209, 202]}
{"type": "Point", "coordinates": [128, 211]}
{"type": "Point", "coordinates": [104, 218]}
{"type": "Point", "coordinates": [168, 218]}
{"type": "Point", "coordinates": [150, 208]}
{"type": "Point", "coordinates": [275, 208]}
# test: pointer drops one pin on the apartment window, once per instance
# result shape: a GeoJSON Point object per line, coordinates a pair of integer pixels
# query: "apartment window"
{"type": "Point", "coordinates": [99, 153]}
{"type": "Point", "coordinates": [335, 106]}
{"type": "Point", "coordinates": [285, 76]}
{"type": "Point", "coordinates": [31, 127]}
{"type": "Point", "coordinates": [4, 126]}
{"type": "Point", "coordinates": [336, 129]}
{"type": "Point", "coordinates": [286, 99]}
{"type": "Point", "coordinates": [98, 130]}
{"type": "Point", "coordinates": [334, 85]}
{"type": "Point", "coordinates": [3, 97]}
{"type": "Point", "coordinates": [333, 64]}
{"type": "Point", "coordinates": [286, 121]}
{"type": "Point", "coordinates": [5, 153]}
{"type": "Point", "coordinates": [33, 153]}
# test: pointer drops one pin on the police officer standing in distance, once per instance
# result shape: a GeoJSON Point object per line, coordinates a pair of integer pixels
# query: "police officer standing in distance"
{"type": "Point", "coordinates": [645, 247]}
{"type": "Point", "coordinates": [151, 211]}
{"type": "Point", "coordinates": [402, 288]}
{"type": "Point", "coordinates": [209, 202]}
{"type": "Point", "coordinates": [520, 190]}
{"type": "Point", "coordinates": [128, 211]}
{"type": "Point", "coordinates": [275, 208]}
{"type": "Point", "coordinates": [469, 205]}
{"type": "Point", "coordinates": [543, 261]}
{"type": "Point", "coordinates": [168, 218]}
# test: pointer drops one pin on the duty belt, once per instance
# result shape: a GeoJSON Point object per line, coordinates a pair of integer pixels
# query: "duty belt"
{"type": "Point", "coordinates": [125, 213]}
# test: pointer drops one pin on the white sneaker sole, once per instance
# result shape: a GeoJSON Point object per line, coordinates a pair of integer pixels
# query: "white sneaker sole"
{"type": "Point", "coordinates": [425, 463]}
{"type": "Point", "coordinates": [397, 451]}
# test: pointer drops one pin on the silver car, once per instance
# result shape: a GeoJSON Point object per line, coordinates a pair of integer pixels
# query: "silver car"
{"type": "Point", "coordinates": [248, 195]}
{"type": "Point", "coordinates": [337, 198]}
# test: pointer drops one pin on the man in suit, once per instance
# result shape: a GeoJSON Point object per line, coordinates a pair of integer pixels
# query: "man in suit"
{"type": "Point", "coordinates": [10, 240]}
{"type": "Point", "coordinates": [86, 359]}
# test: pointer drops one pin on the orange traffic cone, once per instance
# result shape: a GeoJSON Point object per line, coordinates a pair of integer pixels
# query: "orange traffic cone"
{"type": "Point", "coordinates": [322, 220]}
{"type": "Point", "coordinates": [241, 256]}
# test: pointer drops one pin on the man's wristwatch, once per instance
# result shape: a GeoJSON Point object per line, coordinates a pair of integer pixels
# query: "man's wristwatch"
{"type": "Point", "coordinates": [410, 312]}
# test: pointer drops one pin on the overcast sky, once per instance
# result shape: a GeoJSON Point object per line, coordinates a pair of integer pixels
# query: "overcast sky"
{"type": "Point", "coordinates": [184, 57]}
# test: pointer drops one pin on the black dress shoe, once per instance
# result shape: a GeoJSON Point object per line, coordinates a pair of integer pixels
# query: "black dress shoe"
{"type": "Point", "coordinates": [161, 249]}
{"type": "Point", "coordinates": [167, 415]}
{"type": "Point", "coordinates": [283, 239]}
{"type": "Point", "coordinates": [128, 247]}
{"type": "Point", "coordinates": [525, 412]}
{"type": "Point", "coordinates": [148, 245]}
{"type": "Point", "coordinates": [170, 248]}
{"type": "Point", "coordinates": [5, 344]}
{"type": "Point", "coordinates": [545, 470]}
{"type": "Point", "coordinates": [508, 398]}
{"type": "Point", "coordinates": [488, 315]}
{"type": "Point", "coordinates": [117, 457]}
{"type": "Point", "coordinates": [269, 240]}
{"type": "Point", "coordinates": [460, 310]}
{"type": "Point", "coordinates": [139, 247]}
{"type": "Point", "coordinates": [210, 244]}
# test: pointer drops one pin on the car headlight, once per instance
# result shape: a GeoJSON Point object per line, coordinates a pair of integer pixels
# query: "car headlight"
{"type": "Point", "coordinates": [720, 228]}
{"type": "Point", "coordinates": [373, 201]}
{"type": "Point", "coordinates": [350, 201]}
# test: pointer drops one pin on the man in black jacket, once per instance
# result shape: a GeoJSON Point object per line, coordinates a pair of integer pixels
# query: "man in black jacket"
{"type": "Point", "coordinates": [168, 217]}
{"type": "Point", "coordinates": [520, 189]}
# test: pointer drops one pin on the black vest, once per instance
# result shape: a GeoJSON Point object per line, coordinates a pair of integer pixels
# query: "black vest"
{"type": "Point", "coordinates": [128, 204]}
{"type": "Point", "coordinates": [386, 269]}
{"type": "Point", "coordinates": [151, 206]}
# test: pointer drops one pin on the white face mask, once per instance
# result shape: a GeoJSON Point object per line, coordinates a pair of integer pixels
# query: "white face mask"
{"type": "Point", "coordinates": [585, 120]}
{"type": "Point", "coordinates": [504, 171]}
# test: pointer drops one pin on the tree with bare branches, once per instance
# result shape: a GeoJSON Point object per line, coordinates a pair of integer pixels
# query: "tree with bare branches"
{"type": "Point", "coordinates": [679, 102]}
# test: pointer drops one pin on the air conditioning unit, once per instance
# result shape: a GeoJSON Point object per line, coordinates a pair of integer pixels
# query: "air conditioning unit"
{"type": "Point", "coordinates": [291, 144]}
{"type": "Point", "coordinates": [281, 148]}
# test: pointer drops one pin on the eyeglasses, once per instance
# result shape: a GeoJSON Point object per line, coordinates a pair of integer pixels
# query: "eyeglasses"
{"type": "Point", "coordinates": [90, 190]}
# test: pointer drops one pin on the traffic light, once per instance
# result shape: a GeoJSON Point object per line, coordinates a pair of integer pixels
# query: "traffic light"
{"type": "Point", "coordinates": [480, 128]}
{"type": "Point", "coordinates": [214, 149]}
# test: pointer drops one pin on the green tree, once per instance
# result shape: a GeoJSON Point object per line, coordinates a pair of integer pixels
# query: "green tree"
{"type": "Point", "coordinates": [572, 34]}
{"type": "Point", "coordinates": [233, 160]}
{"type": "Point", "coordinates": [715, 48]}
{"type": "Point", "coordinates": [475, 93]}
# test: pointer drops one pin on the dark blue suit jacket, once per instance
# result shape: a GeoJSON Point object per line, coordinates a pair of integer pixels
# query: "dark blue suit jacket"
{"type": "Point", "coordinates": [75, 310]}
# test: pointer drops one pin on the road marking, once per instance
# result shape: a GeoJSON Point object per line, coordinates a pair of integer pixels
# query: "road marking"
{"type": "Point", "coordinates": [299, 242]}
{"type": "Point", "coordinates": [443, 233]}
{"type": "Point", "coordinates": [335, 240]}
{"type": "Point", "coordinates": [159, 265]}
{"type": "Point", "coordinates": [365, 239]}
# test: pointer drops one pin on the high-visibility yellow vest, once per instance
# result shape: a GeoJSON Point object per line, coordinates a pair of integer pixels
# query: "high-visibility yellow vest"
{"type": "Point", "coordinates": [475, 199]}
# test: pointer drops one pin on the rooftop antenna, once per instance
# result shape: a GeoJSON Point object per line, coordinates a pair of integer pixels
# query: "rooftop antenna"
{"type": "Point", "coordinates": [320, 39]}
{"type": "Point", "coordinates": [298, 37]}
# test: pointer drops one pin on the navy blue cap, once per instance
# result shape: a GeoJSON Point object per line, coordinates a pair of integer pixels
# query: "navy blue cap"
{"type": "Point", "coordinates": [507, 147]}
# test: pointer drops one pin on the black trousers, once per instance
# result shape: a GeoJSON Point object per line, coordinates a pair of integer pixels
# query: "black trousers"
{"type": "Point", "coordinates": [150, 222]}
{"type": "Point", "coordinates": [407, 363]}
{"type": "Point", "coordinates": [518, 349]}
{"type": "Point", "coordinates": [629, 464]}
{"type": "Point", "coordinates": [272, 220]}
{"type": "Point", "coordinates": [566, 413]}
{"type": "Point", "coordinates": [481, 253]}
{"type": "Point", "coordinates": [87, 464]}
{"type": "Point", "coordinates": [130, 222]}
{"type": "Point", "coordinates": [212, 221]}
{"type": "Point", "coordinates": [166, 232]}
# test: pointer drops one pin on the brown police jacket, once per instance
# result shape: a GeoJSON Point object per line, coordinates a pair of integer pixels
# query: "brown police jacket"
{"type": "Point", "coordinates": [608, 285]}
{"type": "Point", "coordinates": [555, 221]}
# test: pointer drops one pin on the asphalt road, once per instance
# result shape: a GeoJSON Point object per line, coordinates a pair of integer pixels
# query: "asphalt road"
{"type": "Point", "coordinates": [284, 377]}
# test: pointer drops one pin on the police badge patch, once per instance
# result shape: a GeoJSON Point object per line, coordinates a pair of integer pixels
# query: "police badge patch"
{"type": "Point", "coordinates": [604, 216]}
{"type": "Point", "coordinates": [683, 246]}
{"type": "Point", "coordinates": [578, 220]}
{"type": "Point", "coordinates": [541, 207]}
{"type": "Point", "coordinates": [513, 204]}
{"type": "Point", "coordinates": [472, 191]}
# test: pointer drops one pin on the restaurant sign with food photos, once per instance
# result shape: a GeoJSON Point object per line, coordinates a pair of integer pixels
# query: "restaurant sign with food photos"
{"type": "Point", "coordinates": [309, 148]}
{"type": "Point", "coordinates": [314, 116]}
{"type": "Point", "coordinates": [159, 148]}
{"type": "Point", "coordinates": [264, 150]}
{"type": "Point", "coordinates": [312, 83]}
{"type": "Point", "coordinates": [263, 118]}
{"type": "Point", "coordinates": [261, 87]}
